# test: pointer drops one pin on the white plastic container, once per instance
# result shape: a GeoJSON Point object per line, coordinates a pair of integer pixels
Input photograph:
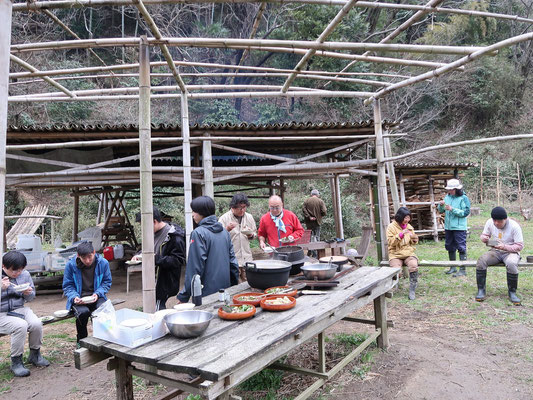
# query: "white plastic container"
{"type": "Point", "coordinates": [55, 262]}
{"type": "Point", "coordinates": [32, 242]}
{"type": "Point", "coordinates": [118, 251]}
{"type": "Point", "coordinates": [36, 260]}
{"type": "Point", "coordinates": [112, 331]}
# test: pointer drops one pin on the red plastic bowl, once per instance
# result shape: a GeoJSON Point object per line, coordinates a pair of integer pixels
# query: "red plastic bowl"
{"type": "Point", "coordinates": [234, 316]}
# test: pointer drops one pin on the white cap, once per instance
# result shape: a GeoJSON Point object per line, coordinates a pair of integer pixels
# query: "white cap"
{"type": "Point", "coordinates": [454, 184]}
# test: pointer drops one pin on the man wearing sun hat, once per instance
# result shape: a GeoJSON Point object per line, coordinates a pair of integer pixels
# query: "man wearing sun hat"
{"type": "Point", "coordinates": [505, 238]}
{"type": "Point", "coordinates": [456, 207]}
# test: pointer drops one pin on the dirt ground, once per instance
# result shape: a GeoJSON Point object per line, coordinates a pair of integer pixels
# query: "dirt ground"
{"type": "Point", "coordinates": [428, 358]}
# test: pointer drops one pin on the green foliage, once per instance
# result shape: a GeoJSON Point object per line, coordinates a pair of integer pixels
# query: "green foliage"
{"type": "Point", "coordinates": [193, 397]}
{"type": "Point", "coordinates": [271, 113]}
{"type": "Point", "coordinates": [267, 381]}
{"type": "Point", "coordinates": [215, 111]}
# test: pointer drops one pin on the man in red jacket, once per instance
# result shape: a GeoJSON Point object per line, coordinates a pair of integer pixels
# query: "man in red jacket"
{"type": "Point", "coordinates": [278, 225]}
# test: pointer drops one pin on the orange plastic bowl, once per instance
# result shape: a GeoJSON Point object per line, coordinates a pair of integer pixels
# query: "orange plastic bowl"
{"type": "Point", "coordinates": [234, 316]}
{"type": "Point", "coordinates": [292, 293]}
{"type": "Point", "coordinates": [259, 296]}
{"type": "Point", "coordinates": [277, 307]}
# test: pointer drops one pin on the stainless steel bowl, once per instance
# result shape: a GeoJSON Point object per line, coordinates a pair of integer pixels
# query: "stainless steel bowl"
{"type": "Point", "coordinates": [187, 324]}
{"type": "Point", "coordinates": [319, 271]}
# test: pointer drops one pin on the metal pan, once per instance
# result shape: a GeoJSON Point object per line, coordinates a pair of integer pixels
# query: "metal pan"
{"type": "Point", "coordinates": [319, 271]}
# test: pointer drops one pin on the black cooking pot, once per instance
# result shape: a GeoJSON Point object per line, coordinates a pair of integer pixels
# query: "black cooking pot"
{"type": "Point", "coordinates": [293, 254]}
{"type": "Point", "coordinates": [263, 274]}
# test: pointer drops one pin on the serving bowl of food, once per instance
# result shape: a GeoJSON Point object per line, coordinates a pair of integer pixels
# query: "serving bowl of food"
{"type": "Point", "coordinates": [251, 298]}
{"type": "Point", "coordinates": [319, 271]}
{"type": "Point", "coordinates": [278, 303]}
{"type": "Point", "coordinates": [236, 311]}
{"type": "Point", "coordinates": [284, 290]}
{"type": "Point", "coordinates": [21, 288]}
{"type": "Point", "coordinates": [188, 324]}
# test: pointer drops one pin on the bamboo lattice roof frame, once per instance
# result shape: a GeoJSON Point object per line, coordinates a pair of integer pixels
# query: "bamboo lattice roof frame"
{"type": "Point", "coordinates": [377, 85]}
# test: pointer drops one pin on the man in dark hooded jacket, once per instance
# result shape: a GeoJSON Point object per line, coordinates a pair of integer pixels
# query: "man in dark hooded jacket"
{"type": "Point", "coordinates": [211, 252]}
{"type": "Point", "coordinates": [169, 248]}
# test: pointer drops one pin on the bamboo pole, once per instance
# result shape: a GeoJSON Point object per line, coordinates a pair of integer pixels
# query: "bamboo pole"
{"type": "Point", "coordinates": [453, 65]}
{"type": "Point", "coordinates": [339, 227]}
{"type": "Point", "coordinates": [402, 191]}
{"type": "Point", "coordinates": [462, 143]}
{"type": "Point", "coordinates": [5, 40]}
{"type": "Point", "coordinates": [39, 5]}
{"type": "Point", "coordinates": [257, 20]}
{"type": "Point", "coordinates": [228, 95]}
{"type": "Point", "coordinates": [383, 201]}
{"type": "Point", "coordinates": [251, 153]}
{"type": "Point", "coordinates": [187, 184]}
{"type": "Point", "coordinates": [207, 161]}
{"type": "Point", "coordinates": [145, 164]}
{"type": "Point", "coordinates": [41, 161]}
{"type": "Point", "coordinates": [161, 140]}
{"type": "Point", "coordinates": [164, 49]}
{"type": "Point", "coordinates": [519, 188]}
{"type": "Point", "coordinates": [134, 66]}
{"type": "Point", "coordinates": [392, 174]}
{"type": "Point", "coordinates": [321, 39]}
{"type": "Point", "coordinates": [47, 79]}
{"type": "Point", "coordinates": [230, 43]}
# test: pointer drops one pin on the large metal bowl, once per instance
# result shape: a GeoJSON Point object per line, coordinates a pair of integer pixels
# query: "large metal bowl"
{"type": "Point", "coordinates": [319, 271]}
{"type": "Point", "coordinates": [187, 324]}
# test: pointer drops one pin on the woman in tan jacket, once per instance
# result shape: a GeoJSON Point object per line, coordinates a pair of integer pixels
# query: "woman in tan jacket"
{"type": "Point", "coordinates": [402, 239]}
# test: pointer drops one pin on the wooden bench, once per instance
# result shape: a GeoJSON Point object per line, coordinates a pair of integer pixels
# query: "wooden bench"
{"type": "Point", "coordinates": [465, 263]}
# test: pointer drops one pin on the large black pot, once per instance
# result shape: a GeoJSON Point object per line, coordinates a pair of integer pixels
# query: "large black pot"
{"type": "Point", "coordinates": [293, 254]}
{"type": "Point", "coordinates": [263, 274]}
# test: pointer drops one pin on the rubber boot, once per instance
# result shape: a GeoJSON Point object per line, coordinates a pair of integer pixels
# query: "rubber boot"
{"type": "Point", "coordinates": [17, 367]}
{"type": "Point", "coordinates": [37, 359]}
{"type": "Point", "coordinates": [462, 270]}
{"type": "Point", "coordinates": [481, 278]}
{"type": "Point", "coordinates": [451, 257]}
{"type": "Point", "coordinates": [413, 283]}
{"type": "Point", "coordinates": [512, 285]}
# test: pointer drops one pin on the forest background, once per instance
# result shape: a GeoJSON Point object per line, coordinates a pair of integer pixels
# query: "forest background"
{"type": "Point", "coordinates": [492, 97]}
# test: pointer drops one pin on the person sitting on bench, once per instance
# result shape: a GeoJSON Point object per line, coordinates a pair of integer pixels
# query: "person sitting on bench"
{"type": "Point", "coordinates": [87, 275]}
{"type": "Point", "coordinates": [505, 238]}
{"type": "Point", "coordinates": [15, 318]}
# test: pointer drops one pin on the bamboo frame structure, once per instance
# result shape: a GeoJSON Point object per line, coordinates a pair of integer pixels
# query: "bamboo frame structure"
{"type": "Point", "coordinates": [275, 83]}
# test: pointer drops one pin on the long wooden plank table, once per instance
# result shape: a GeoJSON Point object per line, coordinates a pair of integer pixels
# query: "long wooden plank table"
{"type": "Point", "coordinates": [229, 352]}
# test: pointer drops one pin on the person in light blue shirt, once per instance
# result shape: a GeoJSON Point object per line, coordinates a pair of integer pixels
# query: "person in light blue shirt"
{"type": "Point", "coordinates": [456, 207]}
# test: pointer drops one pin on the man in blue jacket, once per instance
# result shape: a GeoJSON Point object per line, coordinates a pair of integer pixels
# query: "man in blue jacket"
{"type": "Point", "coordinates": [211, 252]}
{"type": "Point", "coordinates": [86, 281]}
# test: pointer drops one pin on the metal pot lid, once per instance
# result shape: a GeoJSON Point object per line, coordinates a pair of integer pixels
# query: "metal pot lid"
{"type": "Point", "coordinates": [268, 264]}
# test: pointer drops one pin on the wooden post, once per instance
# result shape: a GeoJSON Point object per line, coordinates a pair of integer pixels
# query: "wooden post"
{"type": "Point", "coordinates": [124, 381]}
{"type": "Point", "coordinates": [145, 178]}
{"type": "Point", "coordinates": [433, 209]}
{"type": "Point", "coordinates": [321, 353]}
{"type": "Point", "coordinates": [481, 197]}
{"type": "Point", "coordinates": [498, 185]}
{"type": "Point", "coordinates": [5, 42]}
{"type": "Point", "coordinates": [339, 228]}
{"type": "Point", "coordinates": [75, 216]}
{"type": "Point", "coordinates": [380, 316]}
{"type": "Point", "coordinates": [383, 200]}
{"type": "Point", "coordinates": [392, 175]}
{"type": "Point", "coordinates": [377, 219]}
{"type": "Point", "coordinates": [282, 190]}
{"type": "Point", "coordinates": [519, 187]}
{"type": "Point", "coordinates": [207, 160]}
{"type": "Point", "coordinates": [187, 184]}
{"type": "Point", "coordinates": [402, 191]}
{"type": "Point", "coordinates": [52, 231]}
{"type": "Point", "coordinates": [371, 201]}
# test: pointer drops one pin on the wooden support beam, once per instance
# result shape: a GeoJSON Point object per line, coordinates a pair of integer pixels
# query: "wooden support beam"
{"type": "Point", "coordinates": [187, 184]}
{"type": "Point", "coordinates": [207, 161]}
{"type": "Point", "coordinates": [84, 358]}
{"type": "Point", "coordinates": [383, 201]}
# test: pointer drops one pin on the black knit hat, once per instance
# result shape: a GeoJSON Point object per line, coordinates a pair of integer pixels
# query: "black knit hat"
{"type": "Point", "coordinates": [498, 213]}
{"type": "Point", "coordinates": [203, 205]}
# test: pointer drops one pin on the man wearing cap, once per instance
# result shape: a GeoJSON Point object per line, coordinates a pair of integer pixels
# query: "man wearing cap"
{"type": "Point", "coordinates": [504, 235]}
{"type": "Point", "coordinates": [314, 209]}
{"type": "Point", "coordinates": [456, 207]}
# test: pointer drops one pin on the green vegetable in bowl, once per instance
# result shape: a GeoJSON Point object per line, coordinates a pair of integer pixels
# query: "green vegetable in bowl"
{"type": "Point", "coordinates": [237, 309]}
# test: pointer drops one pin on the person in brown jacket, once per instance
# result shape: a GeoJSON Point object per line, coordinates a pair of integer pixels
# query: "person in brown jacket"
{"type": "Point", "coordinates": [314, 209]}
{"type": "Point", "coordinates": [401, 240]}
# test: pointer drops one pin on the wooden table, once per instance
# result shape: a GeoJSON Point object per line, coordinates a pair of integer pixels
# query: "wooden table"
{"type": "Point", "coordinates": [229, 352]}
{"type": "Point", "coordinates": [321, 247]}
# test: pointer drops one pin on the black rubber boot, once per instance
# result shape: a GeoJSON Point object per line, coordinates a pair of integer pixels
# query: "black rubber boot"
{"type": "Point", "coordinates": [17, 367]}
{"type": "Point", "coordinates": [37, 359]}
{"type": "Point", "coordinates": [462, 270]}
{"type": "Point", "coordinates": [481, 278]}
{"type": "Point", "coordinates": [413, 283]}
{"type": "Point", "coordinates": [512, 285]}
{"type": "Point", "coordinates": [451, 257]}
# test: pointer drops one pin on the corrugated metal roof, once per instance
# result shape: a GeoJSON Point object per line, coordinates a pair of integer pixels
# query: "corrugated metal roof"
{"type": "Point", "coordinates": [165, 127]}
{"type": "Point", "coordinates": [407, 165]}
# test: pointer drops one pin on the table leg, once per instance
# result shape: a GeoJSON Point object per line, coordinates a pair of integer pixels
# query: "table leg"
{"type": "Point", "coordinates": [124, 380]}
{"type": "Point", "coordinates": [321, 353]}
{"type": "Point", "coordinates": [380, 315]}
